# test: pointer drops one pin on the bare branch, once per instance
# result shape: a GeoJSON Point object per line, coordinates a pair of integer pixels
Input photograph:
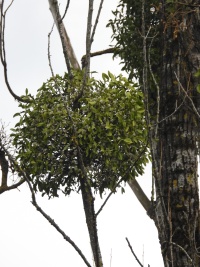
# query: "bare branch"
{"type": "Point", "coordinates": [88, 36]}
{"type": "Point", "coordinates": [158, 91]}
{"type": "Point", "coordinates": [11, 187]}
{"type": "Point", "coordinates": [133, 253]}
{"type": "Point", "coordinates": [107, 198]}
{"type": "Point", "coordinates": [55, 225]}
{"type": "Point", "coordinates": [3, 51]}
{"type": "Point", "coordinates": [67, 6]}
{"type": "Point", "coordinates": [35, 204]}
{"type": "Point", "coordinates": [49, 54]}
{"type": "Point", "coordinates": [139, 193]}
{"type": "Point", "coordinates": [97, 20]}
{"type": "Point", "coordinates": [98, 53]}
{"type": "Point", "coordinates": [70, 57]}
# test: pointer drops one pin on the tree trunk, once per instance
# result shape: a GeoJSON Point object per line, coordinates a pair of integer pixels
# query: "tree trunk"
{"type": "Point", "coordinates": [88, 203]}
{"type": "Point", "coordinates": [175, 148]}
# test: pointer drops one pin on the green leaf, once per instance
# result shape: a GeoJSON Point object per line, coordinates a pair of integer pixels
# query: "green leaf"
{"type": "Point", "coordinates": [197, 74]}
{"type": "Point", "coordinates": [128, 141]}
{"type": "Point", "coordinates": [108, 126]}
{"type": "Point", "coordinates": [105, 77]}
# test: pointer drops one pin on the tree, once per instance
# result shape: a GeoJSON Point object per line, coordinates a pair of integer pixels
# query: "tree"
{"type": "Point", "coordinates": [87, 169]}
{"type": "Point", "coordinates": [164, 56]}
{"type": "Point", "coordinates": [168, 78]}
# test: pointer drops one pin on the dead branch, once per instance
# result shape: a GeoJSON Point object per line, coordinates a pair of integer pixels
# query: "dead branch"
{"type": "Point", "coordinates": [48, 53]}
{"type": "Point", "coordinates": [97, 20]}
{"type": "Point", "coordinates": [69, 55]}
{"type": "Point", "coordinates": [133, 253]}
{"type": "Point", "coordinates": [98, 53]}
{"type": "Point", "coordinates": [66, 9]}
{"type": "Point", "coordinates": [27, 178]}
{"type": "Point", "coordinates": [3, 51]}
{"type": "Point", "coordinates": [55, 225]}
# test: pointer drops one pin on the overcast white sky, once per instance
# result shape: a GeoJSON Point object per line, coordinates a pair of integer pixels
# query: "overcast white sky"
{"type": "Point", "coordinates": [26, 238]}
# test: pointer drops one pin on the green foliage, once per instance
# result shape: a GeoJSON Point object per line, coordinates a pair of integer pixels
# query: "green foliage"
{"type": "Point", "coordinates": [127, 33]}
{"type": "Point", "coordinates": [106, 123]}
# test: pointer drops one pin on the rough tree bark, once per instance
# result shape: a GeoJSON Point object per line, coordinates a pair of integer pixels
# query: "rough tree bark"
{"type": "Point", "coordinates": [175, 148]}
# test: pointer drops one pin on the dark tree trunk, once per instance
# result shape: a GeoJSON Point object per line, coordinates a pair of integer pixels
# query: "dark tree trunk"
{"type": "Point", "coordinates": [175, 147]}
{"type": "Point", "coordinates": [88, 203]}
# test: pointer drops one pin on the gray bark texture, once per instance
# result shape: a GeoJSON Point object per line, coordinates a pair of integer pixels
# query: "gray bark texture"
{"type": "Point", "coordinates": [174, 150]}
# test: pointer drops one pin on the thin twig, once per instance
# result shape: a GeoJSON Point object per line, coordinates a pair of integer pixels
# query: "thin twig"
{"type": "Point", "coordinates": [157, 87]}
{"type": "Point", "coordinates": [186, 94]}
{"type": "Point", "coordinates": [67, 6]}
{"type": "Point", "coordinates": [107, 198]}
{"type": "Point", "coordinates": [49, 55]}
{"type": "Point", "coordinates": [3, 51]}
{"type": "Point", "coordinates": [97, 20]}
{"type": "Point", "coordinates": [35, 204]}
{"type": "Point", "coordinates": [122, 178]}
{"type": "Point", "coordinates": [181, 248]}
{"type": "Point", "coordinates": [133, 253]}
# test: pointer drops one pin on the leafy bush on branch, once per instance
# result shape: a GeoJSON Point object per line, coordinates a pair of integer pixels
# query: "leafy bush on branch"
{"type": "Point", "coordinates": [106, 123]}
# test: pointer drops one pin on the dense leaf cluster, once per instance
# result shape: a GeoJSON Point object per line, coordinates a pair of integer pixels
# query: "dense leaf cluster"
{"type": "Point", "coordinates": [106, 123]}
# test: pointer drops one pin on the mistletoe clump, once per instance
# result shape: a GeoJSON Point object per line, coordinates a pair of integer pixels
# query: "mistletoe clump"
{"type": "Point", "coordinates": [103, 121]}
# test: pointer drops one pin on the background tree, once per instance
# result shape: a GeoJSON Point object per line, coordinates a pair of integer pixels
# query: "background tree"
{"type": "Point", "coordinates": [159, 44]}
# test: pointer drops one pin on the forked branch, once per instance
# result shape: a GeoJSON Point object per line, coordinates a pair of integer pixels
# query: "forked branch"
{"type": "Point", "coordinates": [69, 54]}
{"type": "Point", "coordinates": [26, 178]}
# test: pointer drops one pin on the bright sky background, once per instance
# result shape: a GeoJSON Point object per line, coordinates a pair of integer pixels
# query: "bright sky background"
{"type": "Point", "coordinates": [26, 238]}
